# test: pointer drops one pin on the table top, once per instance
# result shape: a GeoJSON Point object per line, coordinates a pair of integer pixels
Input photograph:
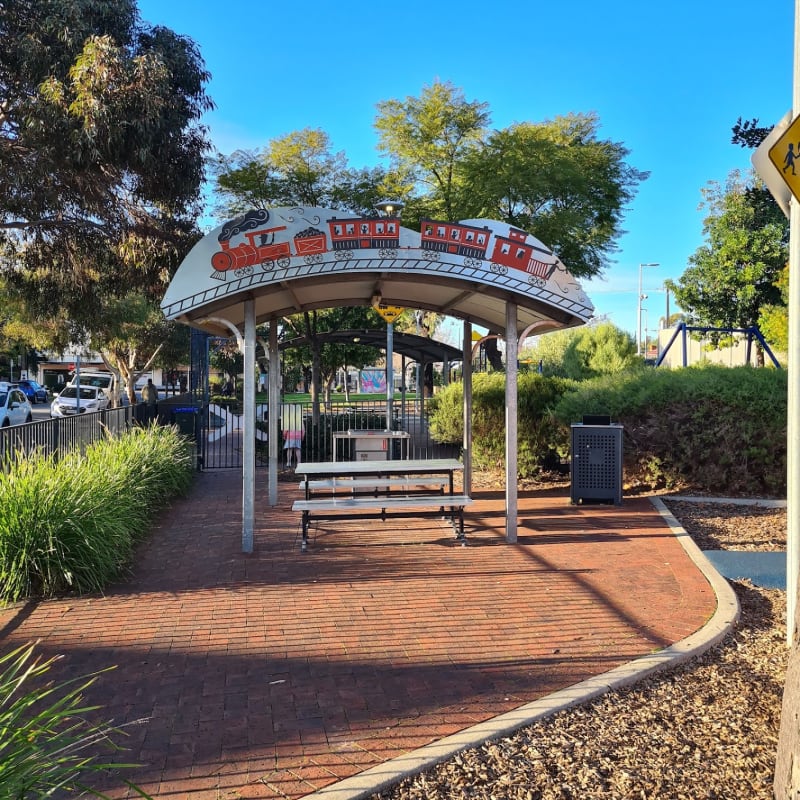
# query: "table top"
{"type": "Point", "coordinates": [416, 466]}
{"type": "Point", "coordinates": [366, 434]}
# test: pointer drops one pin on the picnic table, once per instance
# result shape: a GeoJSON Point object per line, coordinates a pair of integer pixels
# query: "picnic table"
{"type": "Point", "coordinates": [380, 490]}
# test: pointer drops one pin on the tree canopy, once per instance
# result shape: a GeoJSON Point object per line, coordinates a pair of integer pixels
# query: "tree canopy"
{"type": "Point", "coordinates": [298, 167]}
{"type": "Point", "coordinates": [101, 158]}
{"type": "Point", "coordinates": [555, 179]}
{"type": "Point", "coordinates": [733, 278]}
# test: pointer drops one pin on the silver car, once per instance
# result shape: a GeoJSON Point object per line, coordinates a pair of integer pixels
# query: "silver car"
{"type": "Point", "coordinates": [14, 406]}
{"type": "Point", "coordinates": [78, 400]}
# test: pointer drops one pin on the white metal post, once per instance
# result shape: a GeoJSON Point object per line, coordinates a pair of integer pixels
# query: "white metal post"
{"type": "Point", "coordinates": [466, 376]}
{"type": "Point", "coordinates": [511, 422]}
{"type": "Point", "coordinates": [639, 299]}
{"type": "Point", "coordinates": [793, 407]}
{"type": "Point", "coordinates": [273, 405]}
{"type": "Point", "coordinates": [389, 380]}
{"type": "Point", "coordinates": [249, 433]}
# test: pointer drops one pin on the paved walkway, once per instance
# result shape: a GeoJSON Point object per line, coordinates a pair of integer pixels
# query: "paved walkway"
{"type": "Point", "coordinates": [276, 674]}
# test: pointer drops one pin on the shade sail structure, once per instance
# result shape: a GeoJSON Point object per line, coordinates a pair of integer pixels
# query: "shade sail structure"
{"type": "Point", "coordinates": [289, 260]}
{"type": "Point", "coordinates": [417, 348]}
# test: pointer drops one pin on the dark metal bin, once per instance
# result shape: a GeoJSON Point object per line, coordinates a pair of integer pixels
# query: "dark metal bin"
{"type": "Point", "coordinates": [186, 420]}
{"type": "Point", "coordinates": [596, 463]}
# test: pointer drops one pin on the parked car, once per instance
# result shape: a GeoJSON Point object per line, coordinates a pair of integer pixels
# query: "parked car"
{"type": "Point", "coordinates": [14, 406]}
{"type": "Point", "coordinates": [78, 400]}
{"type": "Point", "coordinates": [35, 392]}
{"type": "Point", "coordinates": [103, 380]}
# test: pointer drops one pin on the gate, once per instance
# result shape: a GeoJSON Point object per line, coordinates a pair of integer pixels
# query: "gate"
{"type": "Point", "coordinates": [218, 429]}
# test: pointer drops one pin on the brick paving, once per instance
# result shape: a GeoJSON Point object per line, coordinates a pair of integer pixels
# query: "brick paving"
{"type": "Point", "coordinates": [274, 674]}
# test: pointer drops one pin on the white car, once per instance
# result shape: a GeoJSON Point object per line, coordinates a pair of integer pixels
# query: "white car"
{"type": "Point", "coordinates": [14, 406]}
{"type": "Point", "coordinates": [78, 400]}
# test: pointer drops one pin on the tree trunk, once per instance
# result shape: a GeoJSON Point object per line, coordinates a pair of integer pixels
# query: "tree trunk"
{"type": "Point", "coordinates": [493, 355]}
{"type": "Point", "coordinates": [787, 761]}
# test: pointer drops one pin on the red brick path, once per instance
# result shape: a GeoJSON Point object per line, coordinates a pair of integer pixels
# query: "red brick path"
{"type": "Point", "coordinates": [274, 674]}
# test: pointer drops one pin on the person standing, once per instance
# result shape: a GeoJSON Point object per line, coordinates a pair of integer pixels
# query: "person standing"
{"type": "Point", "coordinates": [150, 399]}
{"type": "Point", "coordinates": [292, 427]}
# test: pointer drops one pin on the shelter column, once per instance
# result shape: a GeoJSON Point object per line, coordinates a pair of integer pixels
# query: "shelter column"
{"type": "Point", "coordinates": [466, 373]}
{"type": "Point", "coordinates": [273, 399]}
{"type": "Point", "coordinates": [249, 444]}
{"type": "Point", "coordinates": [511, 422]}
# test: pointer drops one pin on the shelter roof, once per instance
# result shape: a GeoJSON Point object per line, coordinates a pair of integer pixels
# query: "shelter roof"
{"type": "Point", "coordinates": [290, 260]}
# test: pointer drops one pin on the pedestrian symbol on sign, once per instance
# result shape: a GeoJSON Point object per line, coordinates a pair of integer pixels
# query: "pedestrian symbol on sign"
{"type": "Point", "coordinates": [785, 156]}
{"type": "Point", "coordinates": [790, 158]}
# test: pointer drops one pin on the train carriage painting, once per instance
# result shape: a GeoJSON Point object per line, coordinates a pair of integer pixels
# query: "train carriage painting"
{"type": "Point", "coordinates": [455, 238]}
{"type": "Point", "coordinates": [364, 233]}
{"type": "Point", "coordinates": [472, 242]}
{"type": "Point", "coordinates": [515, 251]}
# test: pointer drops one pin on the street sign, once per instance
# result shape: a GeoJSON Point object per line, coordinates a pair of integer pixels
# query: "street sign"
{"type": "Point", "coordinates": [389, 313]}
{"type": "Point", "coordinates": [777, 161]}
{"type": "Point", "coordinates": [765, 167]}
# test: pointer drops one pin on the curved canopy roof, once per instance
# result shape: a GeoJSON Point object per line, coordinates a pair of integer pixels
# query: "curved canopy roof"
{"type": "Point", "coordinates": [289, 260]}
{"type": "Point", "coordinates": [417, 348]}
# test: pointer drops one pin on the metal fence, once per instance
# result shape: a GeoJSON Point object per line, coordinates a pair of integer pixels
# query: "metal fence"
{"type": "Point", "coordinates": [219, 429]}
{"type": "Point", "coordinates": [59, 435]}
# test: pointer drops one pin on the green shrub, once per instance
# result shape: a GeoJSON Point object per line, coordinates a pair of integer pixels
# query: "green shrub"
{"type": "Point", "coordinates": [70, 525]}
{"type": "Point", "coordinates": [716, 429]}
{"type": "Point", "coordinates": [710, 428]}
{"type": "Point", "coordinates": [537, 436]}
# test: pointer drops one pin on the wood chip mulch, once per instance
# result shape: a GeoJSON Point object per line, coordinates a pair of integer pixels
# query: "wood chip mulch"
{"type": "Point", "coordinates": [707, 729]}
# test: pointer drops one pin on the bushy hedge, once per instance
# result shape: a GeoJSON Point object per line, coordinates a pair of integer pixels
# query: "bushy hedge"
{"type": "Point", "coordinates": [538, 437]}
{"type": "Point", "coordinates": [70, 525]}
{"type": "Point", "coordinates": [710, 429]}
{"type": "Point", "coordinates": [713, 429]}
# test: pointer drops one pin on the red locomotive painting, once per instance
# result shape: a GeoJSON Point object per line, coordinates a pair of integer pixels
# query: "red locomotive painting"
{"type": "Point", "coordinates": [261, 247]}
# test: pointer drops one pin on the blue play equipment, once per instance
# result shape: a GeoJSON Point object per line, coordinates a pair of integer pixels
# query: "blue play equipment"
{"type": "Point", "coordinates": [681, 329]}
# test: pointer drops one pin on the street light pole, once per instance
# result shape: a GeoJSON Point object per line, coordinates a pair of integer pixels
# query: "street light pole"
{"type": "Point", "coordinates": [640, 297]}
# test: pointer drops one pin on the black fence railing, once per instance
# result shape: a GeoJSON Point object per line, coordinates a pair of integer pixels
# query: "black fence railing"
{"type": "Point", "coordinates": [60, 435]}
{"type": "Point", "coordinates": [218, 431]}
{"type": "Point", "coordinates": [407, 418]}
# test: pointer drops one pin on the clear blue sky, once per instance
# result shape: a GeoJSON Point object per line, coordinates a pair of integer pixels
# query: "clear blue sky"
{"type": "Point", "coordinates": [667, 80]}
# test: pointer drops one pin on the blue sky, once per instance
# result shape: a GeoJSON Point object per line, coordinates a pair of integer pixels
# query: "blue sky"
{"type": "Point", "coordinates": [667, 80]}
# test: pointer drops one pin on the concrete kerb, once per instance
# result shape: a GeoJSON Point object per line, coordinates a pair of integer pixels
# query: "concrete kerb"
{"type": "Point", "coordinates": [724, 618]}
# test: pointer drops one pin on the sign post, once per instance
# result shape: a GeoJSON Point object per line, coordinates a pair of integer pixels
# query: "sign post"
{"type": "Point", "coordinates": [389, 314]}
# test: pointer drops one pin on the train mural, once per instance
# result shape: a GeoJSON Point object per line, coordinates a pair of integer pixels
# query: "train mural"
{"type": "Point", "coordinates": [382, 234]}
{"type": "Point", "coordinates": [512, 251]}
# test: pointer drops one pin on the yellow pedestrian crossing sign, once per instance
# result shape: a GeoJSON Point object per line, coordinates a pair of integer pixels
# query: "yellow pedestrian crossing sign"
{"type": "Point", "coordinates": [785, 156]}
{"type": "Point", "coordinates": [389, 313]}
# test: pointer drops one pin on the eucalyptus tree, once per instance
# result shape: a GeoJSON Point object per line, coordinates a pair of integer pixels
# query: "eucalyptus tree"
{"type": "Point", "coordinates": [101, 158]}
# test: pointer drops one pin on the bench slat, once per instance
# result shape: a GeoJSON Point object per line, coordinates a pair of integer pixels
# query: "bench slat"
{"type": "Point", "coordinates": [390, 502]}
{"type": "Point", "coordinates": [369, 483]}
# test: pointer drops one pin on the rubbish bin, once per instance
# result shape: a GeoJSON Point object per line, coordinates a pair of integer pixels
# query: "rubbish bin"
{"type": "Point", "coordinates": [596, 463]}
{"type": "Point", "coordinates": [185, 419]}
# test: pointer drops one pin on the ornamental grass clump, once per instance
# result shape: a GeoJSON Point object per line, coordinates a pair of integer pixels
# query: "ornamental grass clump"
{"type": "Point", "coordinates": [70, 525]}
{"type": "Point", "coordinates": [47, 743]}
